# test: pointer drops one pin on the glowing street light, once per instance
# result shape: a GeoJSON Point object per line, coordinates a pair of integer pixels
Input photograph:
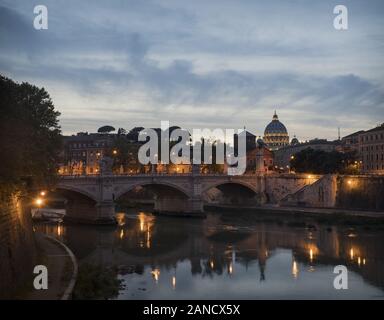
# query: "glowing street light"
{"type": "Point", "coordinates": [43, 193]}
{"type": "Point", "coordinates": [39, 201]}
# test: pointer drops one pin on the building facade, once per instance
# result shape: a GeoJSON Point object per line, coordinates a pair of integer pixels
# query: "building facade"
{"type": "Point", "coordinates": [371, 144]}
{"type": "Point", "coordinates": [82, 153]}
{"type": "Point", "coordinates": [265, 158]}
{"type": "Point", "coordinates": [351, 143]}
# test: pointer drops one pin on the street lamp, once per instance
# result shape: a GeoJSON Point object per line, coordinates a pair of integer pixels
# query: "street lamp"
{"type": "Point", "coordinates": [39, 202]}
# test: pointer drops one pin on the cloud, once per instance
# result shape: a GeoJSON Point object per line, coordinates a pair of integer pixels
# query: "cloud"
{"type": "Point", "coordinates": [200, 64]}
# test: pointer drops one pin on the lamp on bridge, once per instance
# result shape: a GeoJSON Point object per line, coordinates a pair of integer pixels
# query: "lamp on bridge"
{"type": "Point", "coordinates": [39, 202]}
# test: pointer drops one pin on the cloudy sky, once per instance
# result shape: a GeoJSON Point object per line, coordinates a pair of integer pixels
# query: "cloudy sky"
{"type": "Point", "coordinates": [202, 63]}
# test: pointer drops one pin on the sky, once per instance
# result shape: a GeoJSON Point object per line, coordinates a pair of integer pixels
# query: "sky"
{"type": "Point", "coordinates": [202, 63]}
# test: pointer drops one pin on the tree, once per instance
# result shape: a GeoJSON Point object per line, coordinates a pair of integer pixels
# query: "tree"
{"type": "Point", "coordinates": [125, 154]}
{"type": "Point", "coordinates": [322, 162]}
{"type": "Point", "coordinates": [30, 134]}
{"type": "Point", "coordinates": [121, 131]}
{"type": "Point", "coordinates": [106, 129]}
{"type": "Point", "coordinates": [133, 134]}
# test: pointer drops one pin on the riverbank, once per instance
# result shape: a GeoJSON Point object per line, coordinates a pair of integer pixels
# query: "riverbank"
{"type": "Point", "coordinates": [62, 269]}
{"type": "Point", "coordinates": [323, 215]}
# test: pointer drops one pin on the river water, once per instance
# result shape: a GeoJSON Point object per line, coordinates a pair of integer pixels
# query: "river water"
{"type": "Point", "coordinates": [230, 257]}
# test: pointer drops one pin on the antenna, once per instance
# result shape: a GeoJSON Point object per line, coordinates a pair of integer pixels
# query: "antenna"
{"type": "Point", "coordinates": [338, 130]}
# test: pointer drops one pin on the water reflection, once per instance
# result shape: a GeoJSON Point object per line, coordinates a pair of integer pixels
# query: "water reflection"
{"type": "Point", "coordinates": [295, 269]}
{"type": "Point", "coordinates": [155, 273]}
{"type": "Point", "coordinates": [165, 258]}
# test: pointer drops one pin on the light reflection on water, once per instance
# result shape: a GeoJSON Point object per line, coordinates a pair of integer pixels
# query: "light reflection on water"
{"type": "Point", "coordinates": [223, 258]}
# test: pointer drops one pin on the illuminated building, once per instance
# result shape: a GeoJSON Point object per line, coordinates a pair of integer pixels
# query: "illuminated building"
{"type": "Point", "coordinates": [276, 134]}
{"type": "Point", "coordinates": [82, 153]}
{"type": "Point", "coordinates": [372, 150]}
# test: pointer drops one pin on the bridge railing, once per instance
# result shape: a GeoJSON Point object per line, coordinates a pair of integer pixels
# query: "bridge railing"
{"type": "Point", "coordinates": [75, 176]}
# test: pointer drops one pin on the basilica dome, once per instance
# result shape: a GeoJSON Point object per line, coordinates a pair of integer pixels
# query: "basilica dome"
{"type": "Point", "coordinates": [276, 134]}
{"type": "Point", "coordinates": [295, 141]}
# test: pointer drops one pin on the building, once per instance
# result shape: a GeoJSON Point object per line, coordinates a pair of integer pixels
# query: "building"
{"type": "Point", "coordinates": [351, 142]}
{"type": "Point", "coordinates": [275, 134]}
{"type": "Point", "coordinates": [83, 151]}
{"type": "Point", "coordinates": [250, 140]}
{"type": "Point", "coordinates": [265, 156]}
{"type": "Point", "coordinates": [371, 154]}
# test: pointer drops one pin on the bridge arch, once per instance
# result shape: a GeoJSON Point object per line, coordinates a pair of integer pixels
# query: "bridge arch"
{"type": "Point", "coordinates": [222, 183]}
{"type": "Point", "coordinates": [230, 193]}
{"type": "Point", "coordinates": [71, 189]}
{"type": "Point", "coordinates": [170, 186]}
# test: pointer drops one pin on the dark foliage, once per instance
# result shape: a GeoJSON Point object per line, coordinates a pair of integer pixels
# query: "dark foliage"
{"type": "Point", "coordinates": [322, 162]}
{"type": "Point", "coordinates": [30, 134]}
{"type": "Point", "coordinates": [95, 283]}
{"type": "Point", "coordinates": [106, 129]}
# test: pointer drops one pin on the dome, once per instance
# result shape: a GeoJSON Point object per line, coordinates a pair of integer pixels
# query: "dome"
{"type": "Point", "coordinates": [294, 141]}
{"type": "Point", "coordinates": [276, 134]}
{"type": "Point", "coordinates": [275, 126]}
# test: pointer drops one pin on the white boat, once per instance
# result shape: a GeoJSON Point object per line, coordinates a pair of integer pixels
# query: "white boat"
{"type": "Point", "coordinates": [47, 214]}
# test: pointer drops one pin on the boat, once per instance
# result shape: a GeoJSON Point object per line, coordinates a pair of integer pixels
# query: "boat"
{"type": "Point", "coordinates": [48, 214]}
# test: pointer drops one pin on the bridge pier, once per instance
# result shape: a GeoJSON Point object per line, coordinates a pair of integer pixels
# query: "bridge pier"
{"type": "Point", "coordinates": [80, 212]}
{"type": "Point", "coordinates": [105, 213]}
{"type": "Point", "coordinates": [178, 206]}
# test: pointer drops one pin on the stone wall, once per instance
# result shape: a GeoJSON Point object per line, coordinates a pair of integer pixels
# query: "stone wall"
{"type": "Point", "coordinates": [360, 192]}
{"type": "Point", "coordinates": [280, 186]}
{"type": "Point", "coordinates": [340, 191]}
{"type": "Point", "coordinates": [17, 245]}
{"type": "Point", "coordinates": [320, 194]}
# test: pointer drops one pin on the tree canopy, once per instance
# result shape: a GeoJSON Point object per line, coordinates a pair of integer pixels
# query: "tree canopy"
{"type": "Point", "coordinates": [106, 129]}
{"type": "Point", "coordinates": [322, 162]}
{"type": "Point", "coordinates": [30, 133]}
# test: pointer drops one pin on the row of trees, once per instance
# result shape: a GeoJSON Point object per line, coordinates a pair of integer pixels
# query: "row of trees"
{"type": "Point", "coordinates": [30, 134]}
{"type": "Point", "coordinates": [132, 135]}
{"type": "Point", "coordinates": [322, 162]}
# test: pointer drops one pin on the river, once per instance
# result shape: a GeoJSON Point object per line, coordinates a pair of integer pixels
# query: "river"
{"type": "Point", "coordinates": [228, 256]}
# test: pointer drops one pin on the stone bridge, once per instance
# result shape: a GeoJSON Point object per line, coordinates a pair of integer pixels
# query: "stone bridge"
{"type": "Point", "coordinates": [92, 198]}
